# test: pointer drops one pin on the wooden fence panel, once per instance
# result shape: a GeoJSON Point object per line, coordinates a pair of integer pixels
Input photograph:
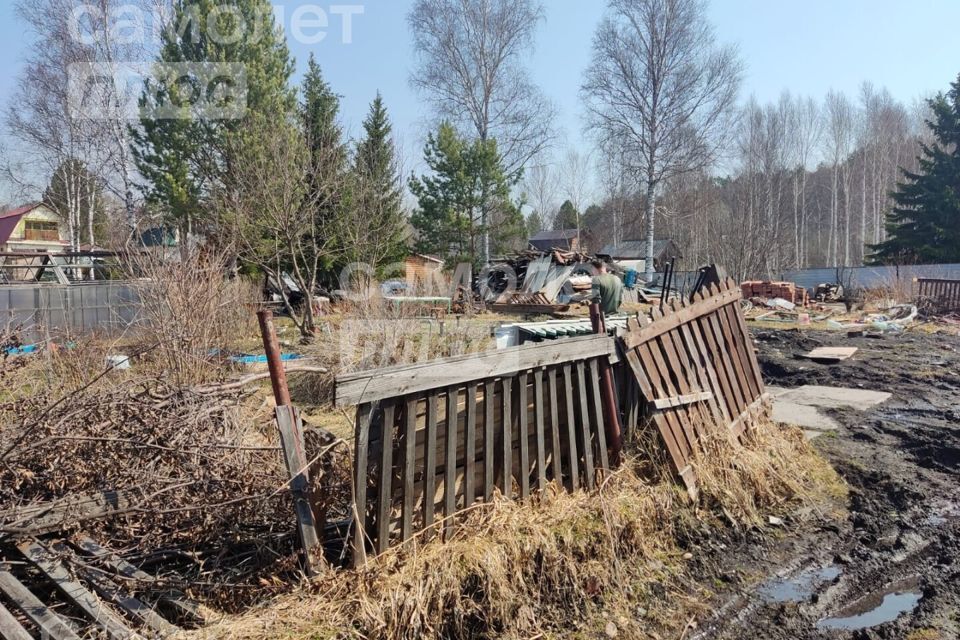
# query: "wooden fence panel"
{"type": "Point", "coordinates": [939, 294]}
{"type": "Point", "coordinates": [426, 455]}
{"type": "Point", "coordinates": [695, 367]}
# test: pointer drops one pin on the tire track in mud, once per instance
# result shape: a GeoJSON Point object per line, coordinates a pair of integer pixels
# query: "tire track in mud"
{"type": "Point", "coordinates": [898, 545]}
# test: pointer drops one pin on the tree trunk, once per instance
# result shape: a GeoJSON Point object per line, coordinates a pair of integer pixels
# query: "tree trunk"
{"type": "Point", "coordinates": [651, 209]}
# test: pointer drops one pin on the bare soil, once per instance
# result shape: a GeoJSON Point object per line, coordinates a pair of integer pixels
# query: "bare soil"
{"type": "Point", "coordinates": [896, 545]}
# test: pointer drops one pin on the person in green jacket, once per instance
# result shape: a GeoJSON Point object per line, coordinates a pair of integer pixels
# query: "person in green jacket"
{"type": "Point", "coordinates": [608, 287]}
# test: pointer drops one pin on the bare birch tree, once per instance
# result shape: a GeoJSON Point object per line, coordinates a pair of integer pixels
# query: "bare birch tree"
{"type": "Point", "coordinates": [469, 67]}
{"type": "Point", "coordinates": [660, 84]}
{"type": "Point", "coordinates": [839, 142]}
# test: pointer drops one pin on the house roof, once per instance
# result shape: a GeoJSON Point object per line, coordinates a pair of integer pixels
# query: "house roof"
{"type": "Point", "coordinates": [10, 219]}
{"type": "Point", "coordinates": [562, 234]}
{"type": "Point", "coordinates": [429, 257]}
{"type": "Point", "coordinates": [637, 249]}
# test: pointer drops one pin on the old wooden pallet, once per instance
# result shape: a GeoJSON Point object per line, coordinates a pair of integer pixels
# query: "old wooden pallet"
{"type": "Point", "coordinates": [74, 592]}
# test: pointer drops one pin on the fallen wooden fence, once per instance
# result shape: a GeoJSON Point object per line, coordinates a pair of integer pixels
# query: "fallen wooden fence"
{"type": "Point", "coordinates": [939, 294]}
{"type": "Point", "coordinates": [432, 439]}
{"type": "Point", "coordinates": [695, 367]}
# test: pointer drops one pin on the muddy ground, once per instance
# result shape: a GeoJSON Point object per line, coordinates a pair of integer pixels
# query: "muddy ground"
{"type": "Point", "coordinates": [895, 545]}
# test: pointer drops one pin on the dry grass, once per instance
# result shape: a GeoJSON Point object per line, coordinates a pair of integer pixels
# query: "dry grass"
{"type": "Point", "coordinates": [563, 565]}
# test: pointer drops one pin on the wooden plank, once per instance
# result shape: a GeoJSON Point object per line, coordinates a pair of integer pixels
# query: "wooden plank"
{"type": "Point", "coordinates": [51, 625]}
{"type": "Point", "coordinates": [450, 463]}
{"type": "Point", "coordinates": [652, 357]}
{"type": "Point", "coordinates": [409, 462]}
{"type": "Point", "coordinates": [697, 379]}
{"type": "Point", "coordinates": [365, 416]}
{"type": "Point", "coordinates": [701, 308]}
{"type": "Point", "coordinates": [603, 459]}
{"type": "Point", "coordinates": [723, 336]}
{"type": "Point", "coordinates": [470, 434]}
{"type": "Point", "coordinates": [290, 426]}
{"type": "Point", "coordinates": [737, 349]}
{"type": "Point", "coordinates": [186, 610]}
{"type": "Point", "coordinates": [522, 418]}
{"type": "Point", "coordinates": [73, 591]}
{"type": "Point", "coordinates": [378, 384]}
{"type": "Point", "coordinates": [586, 444]}
{"type": "Point", "coordinates": [831, 354]}
{"type": "Point", "coordinates": [540, 406]}
{"type": "Point", "coordinates": [10, 627]}
{"type": "Point", "coordinates": [571, 432]}
{"type": "Point", "coordinates": [55, 516]}
{"type": "Point", "coordinates": [385, 482]}
{"type": "Point", "coordinates": [133, 607]}
{"type": "Point", "coordinates": [554, 426]}
{"type": "Point", "coordinates": [679, 401]}
{"type": "Point", "coordinates": [430, 461]}
{"type": "Point", "coordinates": [707, 373]}
{"type": "Point", "coordinates": [688, 418]}
{"type": "Point", "coordinates": [677, 456]}
{"type": "Point", "coordinates": [748, 345]}
{"type": "Point", "coordinates": [489, 439]}
{"type": "Point", "coordinates": [506, 439]}
{"type": "Point", "coordinates": [716, 348]}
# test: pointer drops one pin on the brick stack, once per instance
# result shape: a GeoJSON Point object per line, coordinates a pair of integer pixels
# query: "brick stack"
{"type": "Point", "coordinates": [766, 289]}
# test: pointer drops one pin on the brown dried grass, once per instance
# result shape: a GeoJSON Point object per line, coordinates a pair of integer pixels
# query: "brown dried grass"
{"type": "Point", "coordinates": [562, 564]}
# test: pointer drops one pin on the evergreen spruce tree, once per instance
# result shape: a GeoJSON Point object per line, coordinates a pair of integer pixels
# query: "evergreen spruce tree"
{"type": "Point", "coordinates": [924, 224]}
{"type": "Point", "coordinates": [379, 189]}
{"type": "Point", "coordinates": [183, 153]}
{"type": "Point", "coordinates": [467, 184]}
{"type": "Point", "coordinates": [319, 112]}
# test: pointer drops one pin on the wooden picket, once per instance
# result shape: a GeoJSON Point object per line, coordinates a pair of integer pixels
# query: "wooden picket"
{"type": "Point", "coordinates": [695, 367]}
{"type": "Point", "coordinates": [941, 295]}
{"type": "Point", "coordinates": [425, 453]}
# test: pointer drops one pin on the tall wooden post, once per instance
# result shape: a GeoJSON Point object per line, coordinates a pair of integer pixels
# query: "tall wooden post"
{"type": "Point", "coordinates": [614, 437]}
{"type": "Point", "coordinates": [290, 426]}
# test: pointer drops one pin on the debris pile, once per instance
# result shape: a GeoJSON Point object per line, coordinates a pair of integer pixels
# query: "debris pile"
{"type": "Point", "coordinates": [766, 290]}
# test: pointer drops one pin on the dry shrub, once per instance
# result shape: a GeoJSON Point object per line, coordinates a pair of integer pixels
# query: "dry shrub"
{"type": "Point", "coordinates": [201, 466]}
{"type": "Point", "coordinates": [374, 333]}
{"type": "Point", "coordinates": [549, 567]}
{"type": "Point", "coordinates": [190, 311]}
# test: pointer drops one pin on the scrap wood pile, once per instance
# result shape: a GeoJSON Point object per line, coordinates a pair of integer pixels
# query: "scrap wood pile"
{"type": "Point", "coordinates": [541, 278]}
{"type": "Point", "coordinates": [768, 290]}
{"type": "Point", "coordinates": [186, 483]}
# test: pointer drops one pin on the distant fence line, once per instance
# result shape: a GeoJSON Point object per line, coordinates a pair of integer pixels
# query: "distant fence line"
{"type": "Point", "coordinates": [855, 277]}
{"type": "Point", "coordinates": [51, 309]}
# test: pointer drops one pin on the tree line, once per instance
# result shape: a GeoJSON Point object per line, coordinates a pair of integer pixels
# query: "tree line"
{"type": "Point", "coordinates": [756, 187]}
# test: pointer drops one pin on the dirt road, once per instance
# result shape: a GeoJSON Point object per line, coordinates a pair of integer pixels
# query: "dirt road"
{"type": "Point", "coordinates": [893, 553]}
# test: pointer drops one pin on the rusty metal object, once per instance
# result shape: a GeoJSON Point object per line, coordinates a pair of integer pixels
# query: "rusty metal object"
{"type": "Point", "coordinates": [271, 346]}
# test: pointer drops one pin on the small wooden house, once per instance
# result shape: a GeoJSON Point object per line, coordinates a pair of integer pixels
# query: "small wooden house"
{"type": "Point", "coordinates": [421, 269]}
{"type": "Point", "coordinates": [635, 251]}
{"type": "Point", "coordinates": [32, 228]}
{"type": "Point", "coordinates": [564, 239]}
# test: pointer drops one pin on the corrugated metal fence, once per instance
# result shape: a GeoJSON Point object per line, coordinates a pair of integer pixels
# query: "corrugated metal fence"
{"type": "Point", "coordinates": [45, 309]}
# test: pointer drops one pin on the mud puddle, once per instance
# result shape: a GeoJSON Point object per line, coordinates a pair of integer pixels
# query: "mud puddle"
{"type": "Point", "coordinates": [800, 587]}
{"type": "Point", "coordinates": [877, 609]}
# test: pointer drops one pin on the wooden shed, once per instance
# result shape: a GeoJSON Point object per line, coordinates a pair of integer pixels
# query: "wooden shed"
{"type": "Point", "coordinates": [421, 269]}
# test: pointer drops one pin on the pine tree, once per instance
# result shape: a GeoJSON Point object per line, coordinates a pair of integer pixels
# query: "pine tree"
{"type": "Point", "coordinates": [378, 189]}
{"type": "Point", "coordinates": [924, 224]}
{"type": "Point", "coordinates": [467, 184]}
{"type": "Point", "coordinates": [183, 153]}
{"type": "Point", "coordinates": [319, 112]}
{"type": "Point", "coordinates": [567, 217]}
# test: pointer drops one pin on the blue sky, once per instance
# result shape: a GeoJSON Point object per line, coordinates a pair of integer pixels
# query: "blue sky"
{"type": "Point", "coordinates": [806, 46]}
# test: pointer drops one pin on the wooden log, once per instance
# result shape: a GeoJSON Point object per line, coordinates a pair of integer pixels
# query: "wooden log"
{"type": "Point", "coordinates": [51, 625]}
{"type": "Point", "coordinates": [67, 512]}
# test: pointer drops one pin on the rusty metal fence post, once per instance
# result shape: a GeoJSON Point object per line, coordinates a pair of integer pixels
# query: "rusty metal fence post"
{"type": "Point", "coordinates": [291, 440]}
